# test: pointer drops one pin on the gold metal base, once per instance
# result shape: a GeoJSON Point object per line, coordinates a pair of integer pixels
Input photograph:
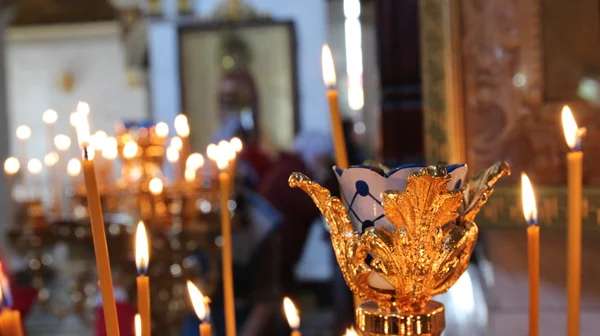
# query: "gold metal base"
{"type": "Point", "coordinates": [373, 321]}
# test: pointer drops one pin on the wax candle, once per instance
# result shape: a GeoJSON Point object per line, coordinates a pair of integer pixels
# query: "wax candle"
{"type": "Point", "coordinates": [156, 188]}
{"type": "Point", "coordinates": [231, 161]}
{"type": "Point", "coordinates": [137, 322]}
{"type": "Point", "coordinates": [49, 118]}
{"type": "Point", "coordinates": [10, 320]}
{"type": "Point", "coordinates": [227, 268]}
{"type": "Point", "coordinates": [143, 281]}
{"type": "Point", "coordinates": [11, 168]}
{"type": "Point", "coordinates": [237, 146]}
{"type": "Point", "coordinates": [200, 307]}
{"type": "Point", "coordinates": [293, 318]}
{"type": "Point", "coordinates": [51, 159]}
{"type": "Point", "coordinates": [34, 167]}
{"type": "Point", "coordinates": [533, 253]}
{"type": "Point", "coordinates": [173, 158]}
{"type": "Point", "coordinates": [97, 223]}
{"type": "Point", "coordinates": [23, 133]}
{"type": "Point", "coordinates": [573, 137]}
{"type": "Point", "coordinates": [339, 142]}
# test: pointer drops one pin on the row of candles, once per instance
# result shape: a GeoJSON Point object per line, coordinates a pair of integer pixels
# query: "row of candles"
{"type": "Point", "coordinates": [573, 136]}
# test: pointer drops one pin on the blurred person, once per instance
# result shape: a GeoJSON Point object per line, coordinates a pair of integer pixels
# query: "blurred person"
{"type": "Point", "coordinates": [311, 155]}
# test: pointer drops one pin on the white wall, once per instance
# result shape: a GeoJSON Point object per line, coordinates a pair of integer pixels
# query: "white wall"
{"type": "Point", "coordinates": [311, 30]}
{"type": "Point", "coordinates": [37, 58]}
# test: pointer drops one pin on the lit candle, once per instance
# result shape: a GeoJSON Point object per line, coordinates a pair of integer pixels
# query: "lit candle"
{"type": "Point", "coordinates": [182, 128]}
{"type": "Point", "coordinates": [293, 318]}
{"type": "Point", "coordinates": [237, 146]}
{"type": "Point", "coordinates": [130, 150]}
{"type": "Point", "coordinates": [10, 320]}
{"type": "Point", "coordinates": [573, 136]}
{"type": "Point", "coordinates": [34, 166]}
{"type": "Point", "coordinates": [11, 168]}
{"type": "Point", "coordinates": [51, 159]}
{"type": "Point", "coordinates": [221, 158]}
{"type": "Point", "coordinates": [23, 133]}
{"type": "Point", "coordinates": [110, 152]}
{"type": "Point", "coordinates": [351, 332]}
{"type": "Point", "coordinates": [62, 142]}
{"type": "Point", "coordinates": [137, 325]}
{"type": "Point", "coordinates": [533, 248]}
{"type": "Point", "coordinates": [194, 162]}
{"type": "Point", "coordinates": [341, 155]}
{"type": "Point", "coordinates": [97, 223]}
{"type": "Point", "coordinates": [173, 158]}
{"type": "Point", "coordinates": [156, 188]}
{"type": "Point", "coordinates": [201, 309]}
{"type": "Point", "coordinates": [49, 118]}
{"type": "Point", "coordinates": [143, 281]}
{"type": "Point", "coordinates": [231, 156]}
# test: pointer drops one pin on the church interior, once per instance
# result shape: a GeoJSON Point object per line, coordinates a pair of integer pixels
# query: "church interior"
{"type": "Point", "coordinates": [299, 167]}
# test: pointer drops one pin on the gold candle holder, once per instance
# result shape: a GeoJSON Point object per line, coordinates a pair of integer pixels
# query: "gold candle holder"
{"type": "Point", "coordinates": [397, 270]}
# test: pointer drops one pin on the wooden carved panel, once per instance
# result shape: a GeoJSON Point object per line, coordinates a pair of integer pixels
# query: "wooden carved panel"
{"type": "Point", "coordinates": [508, 112]}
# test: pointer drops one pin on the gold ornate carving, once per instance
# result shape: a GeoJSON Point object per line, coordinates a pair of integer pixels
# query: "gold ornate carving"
{"type": "Point", "coordinates": [423, 256]}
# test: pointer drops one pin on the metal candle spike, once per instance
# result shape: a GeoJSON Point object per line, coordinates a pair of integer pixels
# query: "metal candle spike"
{"type": "Point", "coordinates": [423, 255]}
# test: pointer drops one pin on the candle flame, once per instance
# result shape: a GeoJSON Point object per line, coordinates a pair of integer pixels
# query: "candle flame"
{"type": "Point", "coordinates": [6, 297]}
{"type": "Point", "coordinates": [138, 325]}
{"type": "Point", "coordinates": [291, 313]}
{"type": "Point", "coordinates": [351, 332]}
{"type": "Point", "coordinates": [73, 119]}
{"type": "Point", "coordinates": [23, 132]}
{"type": "Point", "coordinates": [62, 142]}
{"type": "Point", "coordinates": [212, 151]}
{"type": "Point", "coordinates": [74, 167]}
{"type": "Point", "coordinates": [220, 154]}
{"type": "Point", "coordinates": [236, 144]}
{"type": "Point", "coordinates": [176, 143]}
{"type": "Point", "coordinates": [49, 117]}
{"type": "Point", "coordinates": [182, 128]}
{"type": "Point", "coordinates": [197, 300]}
{"type": "Point", "coordinates": [130, 150]}
{"type": "Point", "coordinates": [328, 66]}
{"type": "Point", "coordinates": [110, 149]}
{"type": "Point", "coordinates": [99, 140]}
{"type": "Point", "coordinates": [190, 175]}
{"type": "Point", "coordinates": [528, 199]}
{"type": "Point", "coordinates": [172, 154]}
{"type": "Point", "coordinates": [83, 127]}
{"type": "Point", "coordinates": [573, 134]}
{"type": "Point", "coordinates": [141, 249]}
{"type": "Point", "coordinates": [51, 159]}
{"type": "Point", "coordinates": [227, 150]}
{"type": "Point", "coordinates": [34, 166]}
{"type": "Point", "coordinates": [161, 129]}
{"type": "Point", "coordinates": [12, 165]}
{"type": "Point", "coordinates": [155, 186]}
{"type": "Point", "coordinates": [194, 161]}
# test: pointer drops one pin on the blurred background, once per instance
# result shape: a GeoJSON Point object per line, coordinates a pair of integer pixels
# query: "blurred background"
{"type": "Point", "coordinates": [419, 82]}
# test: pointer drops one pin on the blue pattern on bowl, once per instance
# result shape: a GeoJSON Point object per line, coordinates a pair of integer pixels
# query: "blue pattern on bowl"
{"type": "Point", "coordinates": [363, 188]}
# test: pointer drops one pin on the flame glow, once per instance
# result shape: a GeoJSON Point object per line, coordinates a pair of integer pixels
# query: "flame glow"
{"type": "Point", "coordinates": [328, 66]}
{"type": "Point", "coordinates": [291, 313]}
{"type": "Point", "coordinates": [176, 143]}
{"type": "Point", "coordinates": [172, 154]}
{"type": "Point", "coordinates": [182, 128]}
{"type": "Point", "coordinates": [34, 166]}
{"type": "Point", "coordinates": [570, 128]}
{"type": "Point", "coordinates": [62, 142]}
{"type": "Point", "coordinates": [197, 300]}
{"type": "Point", "coordinates": [51, 159]}
{"type": "Point", "coordinates": [190, 175]}
{"type": "Point", "coordinates": [236, 144]}
{"type": "Point", "coordinates": [528, 199]}
{"type": "Point", "coordinates": [12, 165]}
{"type": "Point", "coordinates": [83, 127]}
{"type": "Point", "coordinates": [350, 332]}
{"type": "Point", "coordinates": [141, 249]}
{"type": "Point", "coordinates": [73, 167]}
{"type": "Point", "coordinates": [194, 161]}
{"type": "Point", "coordinates": [161, 129]}
{"type": "Point", "coordinates": [212, 151]}
{"type": "Point", "coordinates": [23, 132]}
{"type": "Point", "coordinates": [155, 186]}
{"type": "Point", "coordinates": [110, 150]}
{"type": "Point", "coordinates": [49, 117]}
{"type": "Point", "coordinates": [130, 150]}
{"type": "Point", "coordinates": [138, 325]}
